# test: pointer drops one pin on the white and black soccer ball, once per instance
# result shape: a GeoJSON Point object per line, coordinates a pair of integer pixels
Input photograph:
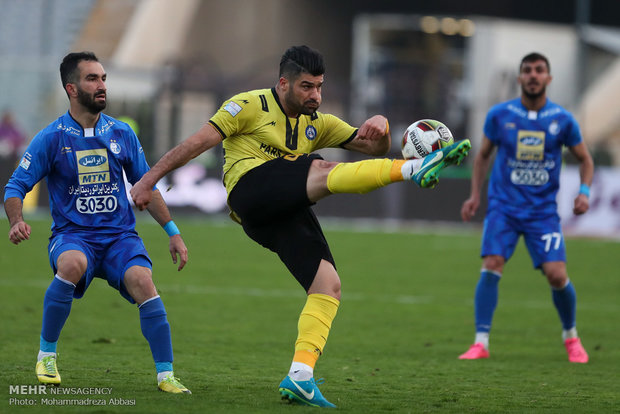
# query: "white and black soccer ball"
{"type": "Point", "coordinates": [425, 136]}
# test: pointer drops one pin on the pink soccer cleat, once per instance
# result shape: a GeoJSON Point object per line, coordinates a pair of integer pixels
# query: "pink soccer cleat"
{"type": "Point", "coordinates": [575, 350]}
{"type": "Point", "coordinates": [476, 351]}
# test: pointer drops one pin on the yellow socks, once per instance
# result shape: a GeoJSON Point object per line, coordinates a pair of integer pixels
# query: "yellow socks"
{"type": "Point", "coordinates": [314, 324]}
{"type": "Point", "coordinates": [364, 176]}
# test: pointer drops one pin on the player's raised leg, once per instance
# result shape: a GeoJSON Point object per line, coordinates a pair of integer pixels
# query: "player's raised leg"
{"type": "Point", "coordinates": [155, 326]}
{"type": "Point", "coordinates": [313, 329]}
{"type": "Point", "coordinates": [325, 178]}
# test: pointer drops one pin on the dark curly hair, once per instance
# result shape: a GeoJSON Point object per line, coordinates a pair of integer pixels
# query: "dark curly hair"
{"type": "Point", "coordinates": [298, 59]}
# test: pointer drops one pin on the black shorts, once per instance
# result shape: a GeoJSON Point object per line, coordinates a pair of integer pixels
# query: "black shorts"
{"type": "Point", "coordinates": [272, 202]}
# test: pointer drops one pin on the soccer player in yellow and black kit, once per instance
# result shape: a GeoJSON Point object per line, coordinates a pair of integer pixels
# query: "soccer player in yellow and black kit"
{"type": "Point", "coordinates": [272, 178]}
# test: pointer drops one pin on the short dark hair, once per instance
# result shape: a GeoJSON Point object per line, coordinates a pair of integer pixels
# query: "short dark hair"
{"type": "Point", "coordinates": [298, 59]}
{"type": "Point", "coordinates": [68, 67]}
{"type": "Point", "coordinates": [533, 57]}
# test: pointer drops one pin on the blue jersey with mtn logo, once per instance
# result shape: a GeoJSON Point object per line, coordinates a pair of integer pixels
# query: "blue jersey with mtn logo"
{"type": "Point", "coordinates": [526, 173]}
{"type": "Point", "coordinates": [84, 174]}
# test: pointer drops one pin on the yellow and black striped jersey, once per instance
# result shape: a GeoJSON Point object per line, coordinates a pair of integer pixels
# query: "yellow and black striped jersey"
{"type": "Point", "coordinates": [255, 129]}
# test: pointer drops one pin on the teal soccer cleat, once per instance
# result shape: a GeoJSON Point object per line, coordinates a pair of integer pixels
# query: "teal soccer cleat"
{"type": "Point", "coordinates": [303, 392]}
{"type": "Point", "coordinates": [427, 175]}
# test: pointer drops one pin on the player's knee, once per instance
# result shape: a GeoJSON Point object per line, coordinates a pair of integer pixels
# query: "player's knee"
{"type": "Point", "coordinates": [316, 185]}
{"type": "Point", "coordinates": [556, 279]}
{"type": "Point", "coordinates": [319, 170]}
{"type": "Point", "coordinates": [144, 284]}
{"type": "Point", "coordinates": [336, 290]}
{"type": "Point", "coordinates": [71, 267]}
{"type": "Point", "coordinates": [493, 263]}
{"type": "Point", "coordinates": [323, 165]}
{"type": "Point", "coordinates": [326, 281]}
{"type": "Point", "coordinates": [333, 288]}
{"type": "Point", "coordinates": [139, 283]}
{"type": "Point", "coordinates": [556, 275]}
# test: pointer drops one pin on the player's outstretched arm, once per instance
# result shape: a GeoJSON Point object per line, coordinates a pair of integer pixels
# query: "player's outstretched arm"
{"type": "Point", "coordinates": [481, 167]}
{"type": "Point", "coordinates": [373, 137]}
{"type": "Point", "coordinates": [19, 229]}
{"type": "Point", "coordinates": [207, 137]}
{"type": "Point", "coordinates": [158, 209]}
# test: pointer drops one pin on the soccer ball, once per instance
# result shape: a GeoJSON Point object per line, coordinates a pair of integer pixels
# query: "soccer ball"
{"type": "Point", "coordinates": [425, 136]}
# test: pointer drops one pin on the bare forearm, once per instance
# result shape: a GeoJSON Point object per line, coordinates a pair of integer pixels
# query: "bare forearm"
{"type": "Point", "coordinates": [586, 164]}
{"type": "Point", "coordinates": [206, 137]}
{"type": "Point", "coordinates": [13, 208]}
{"type": "Point", "coordinates": [19, 229]}
{"type": "Point", "coordinates": [158, 209]}
{"type": "Point", "coordinates": [479, 173]}
{"type": "Point", "coordinates": [373, 137]}
{"type": "Point", "coordinates": [173, 159]}
{"type": "Point", "coordinates": [481, 167]}
{"type": "Point", "coordinates": [586, 171]}
{"type": "Point", "coordinates": [383, 145]}
{"type": "Point", "coordinates": [377, 148]}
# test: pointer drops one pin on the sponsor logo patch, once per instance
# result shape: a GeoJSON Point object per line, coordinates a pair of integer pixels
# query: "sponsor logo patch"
{"type": "Point", "coordinates": [232, 108]}
{"type": "Point", "coordinates": [25, 163]}
{"type": "Point", "coordinates": [92, 160]}
{"type": "Point", "coordinates": [93, 166]}
{"type": "Point", "coordinates": [531, 145]}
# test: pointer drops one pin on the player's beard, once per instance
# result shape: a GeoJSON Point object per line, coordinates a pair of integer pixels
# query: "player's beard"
{"type": "Point", "coordinates": [295, 106]}
{"type": "Point", "coordinates": [533, 95]}
{"type": "Point", "coordinates": [89, 102]}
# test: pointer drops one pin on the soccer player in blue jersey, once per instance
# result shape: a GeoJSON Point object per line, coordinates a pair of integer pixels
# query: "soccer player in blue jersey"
{"type": "Point", "coordinates": [529, 133]}
{"type": "Point", "coordinates": [83, 155]}
{"type": "Point", "coordinates": [273, 178]}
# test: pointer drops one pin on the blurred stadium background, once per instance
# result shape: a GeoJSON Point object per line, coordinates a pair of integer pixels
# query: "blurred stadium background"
{"type": "Point", "coordinates": [171, 63]}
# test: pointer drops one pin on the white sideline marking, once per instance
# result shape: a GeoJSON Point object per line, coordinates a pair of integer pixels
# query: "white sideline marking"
{"type": "Point", "coordinates": [346, 297]}
{"type": "Point", "coordinates": [250, 292]}
{"type": "Point", "coordinates": [287, 293]}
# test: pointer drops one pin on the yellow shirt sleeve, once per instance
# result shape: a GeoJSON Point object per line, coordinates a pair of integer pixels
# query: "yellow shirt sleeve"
{"type": "Point", "coordinates": [235, 115]}
{"type": "Point", "coordinates": [333, 132]}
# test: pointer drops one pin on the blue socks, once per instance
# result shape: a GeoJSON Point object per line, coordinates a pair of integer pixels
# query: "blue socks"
{"type": "Point", "coordinates": [156, 330]}
{"type": "Point", "coordinates": [486, 300]}
{"type": "Point", "coordinates": [56, 308]}
{"type": "Point", "coordinates": [565, 301]}
{"type": "Point", "coordinates": [155, 327]}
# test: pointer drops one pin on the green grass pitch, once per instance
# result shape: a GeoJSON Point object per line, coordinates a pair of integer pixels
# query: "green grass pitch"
{"type": "Point", "coordinates": [406, 314]}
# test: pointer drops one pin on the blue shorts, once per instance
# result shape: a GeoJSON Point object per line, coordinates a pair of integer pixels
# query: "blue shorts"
{"type": "Point", "coordinates": [543, 237]}
{"type": "Point", "coordinates": [108, 256]}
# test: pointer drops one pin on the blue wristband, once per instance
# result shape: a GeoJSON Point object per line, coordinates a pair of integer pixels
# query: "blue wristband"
{"type": "Point", "coordinates": [585, 190]}
{"type": "Point", "coordinates": [171, 228]}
